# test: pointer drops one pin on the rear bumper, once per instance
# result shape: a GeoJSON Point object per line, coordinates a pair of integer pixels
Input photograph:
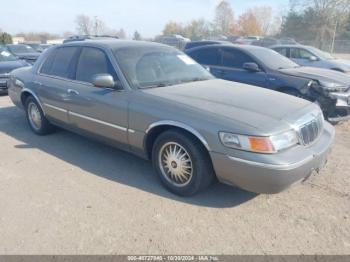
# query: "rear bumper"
{"type": "Point", "coordinates": [270, 178]}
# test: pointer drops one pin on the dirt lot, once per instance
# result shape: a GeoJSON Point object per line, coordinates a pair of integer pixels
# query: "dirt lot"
{"type": "Point", "coordinates": [64, 194]}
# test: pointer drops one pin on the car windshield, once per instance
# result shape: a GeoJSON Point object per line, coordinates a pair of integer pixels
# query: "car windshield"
{"type": "Point", "coordinates": [21, 49]}
{"type": "Point", "coordinates": [6, 56]}
{"type": "Point", "coordinates": [321, 54]}
{"type": "Point", "coordinates": [150, 67]}
{"type": "Point", "coordinates": [272, 59]}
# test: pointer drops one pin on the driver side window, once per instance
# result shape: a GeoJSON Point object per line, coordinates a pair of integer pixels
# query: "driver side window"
{"type": "Point", "coordinates": [234, 58]}
{"type": "Point", "coordinates": [93, 61]}
{"type": "Point", "coordinates": [300, 53]}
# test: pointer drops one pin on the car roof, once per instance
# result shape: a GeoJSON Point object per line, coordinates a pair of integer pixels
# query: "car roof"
{"type": "Point", "coordinates": [234, 46]}
{"type": "Point", "coordinates": [115, 43]}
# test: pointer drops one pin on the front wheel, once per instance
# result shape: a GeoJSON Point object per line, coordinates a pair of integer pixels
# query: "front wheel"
{"type": "Point", "coordinates": [182, 163]}
{"type": "Point", "coordinates": [36, 118]}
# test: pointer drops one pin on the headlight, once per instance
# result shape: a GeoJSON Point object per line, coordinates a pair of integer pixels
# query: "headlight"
{"type": "Point", "coordinates": [267, 145]}
{"type": "Point", "coordinates": [335, 87]}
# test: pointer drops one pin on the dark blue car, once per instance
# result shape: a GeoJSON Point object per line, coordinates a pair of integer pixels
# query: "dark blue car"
{"type": "Point", "coordinates": [266, 68]}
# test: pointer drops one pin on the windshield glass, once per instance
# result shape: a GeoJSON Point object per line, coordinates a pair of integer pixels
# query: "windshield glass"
{"type": "Point", "coordinates": [147, 67]}
{"type": "Point", "coordinates": [321, 54]}
{"type": "Point", "coordinates": [6, 55]}
{"type": "Point", "coordinates": [21, 49]}
{"type": "Point", "coordinates": [272, 59]}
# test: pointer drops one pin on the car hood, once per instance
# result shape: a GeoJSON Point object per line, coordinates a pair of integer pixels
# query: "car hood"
{"type": "Point", "coordinates": [8, 66]}
{"type": "Point", "coordinates": [256, 107]}
{"type": "Point", "coordinates": [318, 74]}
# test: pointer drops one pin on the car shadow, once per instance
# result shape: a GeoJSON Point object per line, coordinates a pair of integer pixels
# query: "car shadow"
{"type": "Point", "coordinates": [110, 163]}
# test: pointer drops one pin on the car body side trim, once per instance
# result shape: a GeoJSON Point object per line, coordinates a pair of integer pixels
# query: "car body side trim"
{"type": "Point", "coordinates": [98, 121]}
{"type": "Point", "coordinates": [180, 125]}
{"type": "Point", "coordinates": [273, 166]}
{"type": "Point", "coordinates": [56, 108]}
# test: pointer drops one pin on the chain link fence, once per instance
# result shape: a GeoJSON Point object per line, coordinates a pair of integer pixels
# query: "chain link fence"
{"type": "Point", "coordinates": [340, 46]}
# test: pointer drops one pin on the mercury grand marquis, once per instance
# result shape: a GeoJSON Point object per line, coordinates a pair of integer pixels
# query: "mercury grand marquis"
{"type": "Point", "coordinates": [156, 102]}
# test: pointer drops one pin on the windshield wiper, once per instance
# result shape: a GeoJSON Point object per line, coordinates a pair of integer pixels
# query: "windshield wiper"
{"type": "Point", "coordinates": [195, 79]}
{"type": "Point", "coordinates": [156, 85]}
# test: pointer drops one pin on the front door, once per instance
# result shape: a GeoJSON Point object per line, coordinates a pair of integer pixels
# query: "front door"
{"type": "Point", "coordinates": [232, 70]}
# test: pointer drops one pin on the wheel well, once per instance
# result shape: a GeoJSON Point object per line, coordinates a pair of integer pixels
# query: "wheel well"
{"type": "Point", "coordinates": [24, 97]}
{"type": "Point", "coordinates": [155, 132]}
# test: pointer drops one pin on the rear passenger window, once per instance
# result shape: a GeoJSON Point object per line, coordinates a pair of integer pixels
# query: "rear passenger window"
{"type": "Point", "coordinates": [93, 61]}
{"type": "Point", "coordinates": [235, 58]}
{"type": "Point", "coordinates": [207, 56]}
{"type": "Point", "coordinates": [61, 64]}
{"type": "Point", "coordinates": [47, 66]}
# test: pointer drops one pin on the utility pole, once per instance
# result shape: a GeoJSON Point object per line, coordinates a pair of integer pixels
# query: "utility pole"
{"type": "Point", "coordinates": [334, 35]}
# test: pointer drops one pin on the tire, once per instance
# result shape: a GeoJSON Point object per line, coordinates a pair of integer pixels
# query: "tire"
{"type": "Point", "coordinates": [37, 121]}
{"type": "Point", "coordinates": [192, 180]}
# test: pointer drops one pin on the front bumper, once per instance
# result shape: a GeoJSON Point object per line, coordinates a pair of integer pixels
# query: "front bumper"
{"type": "Point", "coordinates": [3, 83]}
{"type": "Point", "coordinates": [271, 178]}
{"type": "Point", "coordinates": [342, 107]}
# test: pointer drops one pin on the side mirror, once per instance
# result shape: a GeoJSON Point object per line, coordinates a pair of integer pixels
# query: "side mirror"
{"type": "Point", "coordinates": [313, 58]}
{"type": "Point", "coordinates": [103, 80]}
{"type": "Point", "coordinates": [252, 67]}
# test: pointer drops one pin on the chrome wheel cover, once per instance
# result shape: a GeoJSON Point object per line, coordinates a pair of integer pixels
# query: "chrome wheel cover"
{"type": "Point", "coordinates": [34, 116]}
{"type": "Point", "coordinates": [175, 164]}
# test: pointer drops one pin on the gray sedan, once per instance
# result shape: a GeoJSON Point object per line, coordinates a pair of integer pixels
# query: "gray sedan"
{"type": "Point", "coordinates": [313, 57]}
{"type": "Point", "coordinates": [156, 102]}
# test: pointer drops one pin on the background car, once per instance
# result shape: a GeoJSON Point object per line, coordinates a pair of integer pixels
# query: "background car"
{"type": "Point", "coordinates": [266, 68]}
{"type": "Point", "coordinates": [24, 52]}
{"type": "Point", "coordinates": [311, 56]}
{"type": "Point", "coordinates": [36, 46]}
{"type": "Point", "coordinates": [75, 38]}
{"type": "Point", "coordinates": [247, 40]}
{"type": "Point", "coordinates": [8, 62]}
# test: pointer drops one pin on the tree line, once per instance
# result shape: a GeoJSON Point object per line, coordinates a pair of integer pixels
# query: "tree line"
{"type": "Point", "coordinates": [255, 21]}
{"type": "Point", "coordinates": [315, 20]}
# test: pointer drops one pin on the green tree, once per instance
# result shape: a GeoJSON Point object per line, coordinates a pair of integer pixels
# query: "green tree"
{"type": "Point", "coordinates": [5, 38]}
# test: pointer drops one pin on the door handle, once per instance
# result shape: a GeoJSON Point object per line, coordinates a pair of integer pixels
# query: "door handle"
{"type": "Point", "coordinates": [73, 92]}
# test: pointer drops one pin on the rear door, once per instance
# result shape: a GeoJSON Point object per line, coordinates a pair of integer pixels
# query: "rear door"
{"type": "Point", "coordinates": [54, 80]}
{"type": "Point", "coordinates": [232, 70]}
{"type": "Point", "coordinates": [101, 111]}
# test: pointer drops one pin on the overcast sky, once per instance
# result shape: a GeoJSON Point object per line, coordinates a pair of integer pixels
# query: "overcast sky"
{"type": "Point", "coordinates": [146, 16]}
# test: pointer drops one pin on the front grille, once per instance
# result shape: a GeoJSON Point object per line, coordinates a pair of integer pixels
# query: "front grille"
{"type": "Point", "coordinates": [310, 131]}
{"type": "Point", "coordinates": [3, 80]}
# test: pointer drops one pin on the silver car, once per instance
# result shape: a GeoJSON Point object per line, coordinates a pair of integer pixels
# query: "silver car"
{"type": "Point", "coordinates": [154, 101]}
{"type": "Point", "coordinates": [313, 57]}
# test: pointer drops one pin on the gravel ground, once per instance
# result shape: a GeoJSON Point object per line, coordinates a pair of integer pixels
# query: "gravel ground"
{"type": "Point", "coordinates": [65, 194]}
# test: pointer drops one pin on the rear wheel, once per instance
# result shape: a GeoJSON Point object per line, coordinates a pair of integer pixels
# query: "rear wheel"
{"type": "Point", "coordinates": [182, 163]}
{"type": "Point", "coordinates": [36, 118]}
